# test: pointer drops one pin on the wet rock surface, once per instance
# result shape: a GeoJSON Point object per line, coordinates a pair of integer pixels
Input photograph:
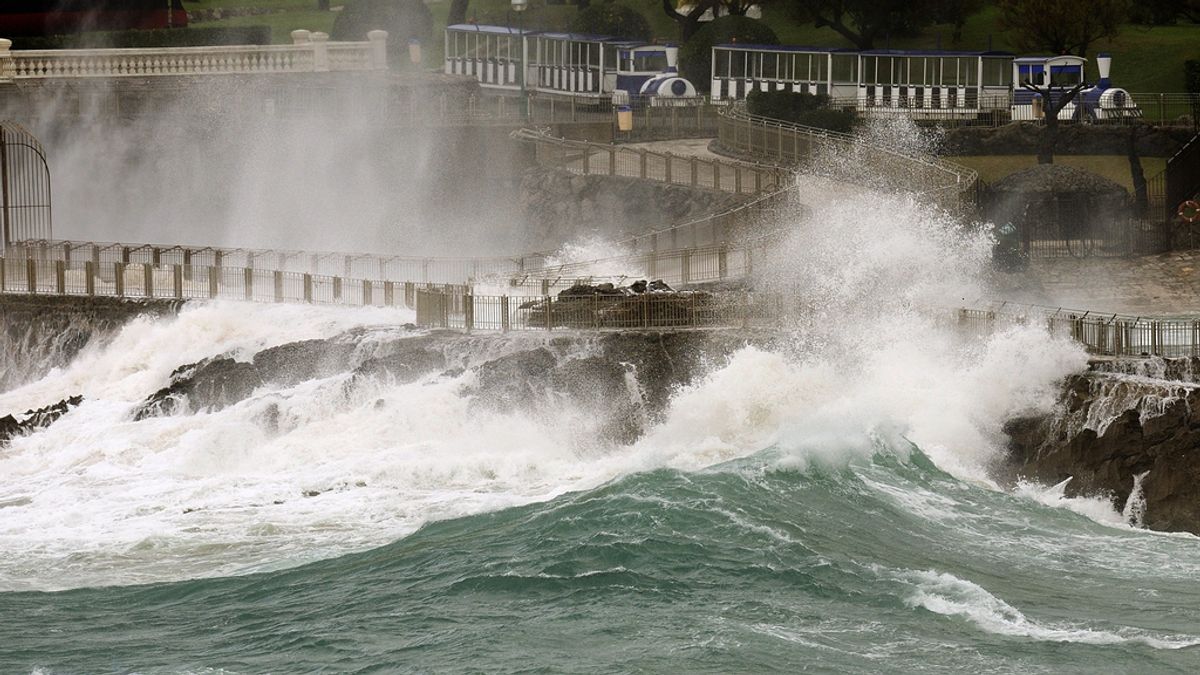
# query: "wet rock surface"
{"type": "Point", "coordinates": [615, 383]}
{"type": "Point", "coordinates": [1107, 430]}
{"type": "Point", "coordinates": [31, 420]}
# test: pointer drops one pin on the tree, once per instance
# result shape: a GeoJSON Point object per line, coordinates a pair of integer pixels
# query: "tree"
{"type": "Point", "coordinates": [689, 23]}
{"type": "Point", "coordinates": [404, 20]}
{"type": "Point", "coordinates": [862, 22]}
{"type": "Point", "coordinates": [1051, 106]}
{"type": "Point", "coordinates": [955, 13]}
{"type": "Point", "coordinates": [695, 57]}
{"type": "Point", "coordinates": [458, 12]}
{"type": "Point", "coordinates": [1062, 26]}
{"type": "Point", "coordinates": [1165, 12]}
{"type": "Point", "coordinates": [612, 18]}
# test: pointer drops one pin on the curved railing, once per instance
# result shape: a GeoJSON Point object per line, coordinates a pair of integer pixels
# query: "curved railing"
{"type": "Point", "coordinates": [847, 157]}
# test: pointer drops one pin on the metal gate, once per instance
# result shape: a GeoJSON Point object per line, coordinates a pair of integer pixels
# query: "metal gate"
{"type": "Point", "coordinates": [24, 187]}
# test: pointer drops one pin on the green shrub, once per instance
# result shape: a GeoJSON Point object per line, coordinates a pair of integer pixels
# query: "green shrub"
{"type": "Point", "coordinates": [611, 18]}
{"type": "Point", "coordinates": [404, 20]}
{"type": "Point", "coordinates": [807, 109]}
{"type": "Point", "coordinates": [165, 37]}
{"type": "Point", "coordinates": [695, 57]}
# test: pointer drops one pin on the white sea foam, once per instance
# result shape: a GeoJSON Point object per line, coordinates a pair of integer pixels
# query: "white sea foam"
{"type": "Point", "coordinates": [946, 594]}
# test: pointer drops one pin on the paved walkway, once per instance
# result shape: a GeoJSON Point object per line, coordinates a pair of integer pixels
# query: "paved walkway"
{"type": "Point", "coordinates": [1167, 284]}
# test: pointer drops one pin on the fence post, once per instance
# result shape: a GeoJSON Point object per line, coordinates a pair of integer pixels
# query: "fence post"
{"type": "Point", "coordinates": [248, 283]}
{"type": "Point", "coordinates": [89, 273]}
{"type": "Point", "coordinates": [30, 275]}
{"type": "Point", "coordinates": [177, 278]}
{"type": "Point", "coordinates": [549, 312]}
{"type": "Point", "coordinates": [722, 262]}
{"type": "Point", "coordinates": [3, 277]}
{"type": "Point", "coordinates": [410, 295]}
{"type": "Point", "coordinates": [389, 294]}
{"type": "Point", "coordinates": [148, 280]}
{"type": "Point", "coordinates": [642, 162]}
{"type": "Point", "coordinates": [320, 48]}
{"type": "Point", "coordinates": [716, 166]}
{"type": "Point", "coordinates": [337, 289]}
{"type": "Point", "coordinates": [695, 171]}
{"type": "Point", "coordinates": [612, 160]}
{"type": "Point", "coordinates": [308, 287]}
{"type": "Point", "coordinates": [468, 312]}
{"type": "Point", "coordinates": [60, 277]}
{"type": "Point", "coordinates": [119, 277]}
{"type": "Point", "coordinates": [670, 161]}
{"type": "Point", "coordinates": [214, 276]}
{"type": "Point", "coordinates": [737, 179]}
{"type": "Point", "coordinates": [504, 313]}
{"type": "Point", "coordinates": [685, 267]}
{"type": "Point", "coordinates": [278, 279]}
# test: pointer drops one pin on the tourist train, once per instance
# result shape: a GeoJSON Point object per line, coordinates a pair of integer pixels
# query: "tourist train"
{"type": "Point", "coordinates": [573, 64]}
{"type": "Point", "coordinates": [924, 84]}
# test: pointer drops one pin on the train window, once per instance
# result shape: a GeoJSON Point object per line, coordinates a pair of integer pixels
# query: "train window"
{"type": "Point", "coordinates": [996, 73]}
{"type": "Point", "coordinates": [1031, 74]}
{"type": "Point", "coordinates": [845, 68]}
{"type": "Point", "coordinates": [770, 65]}
{"type": "Point", "coordinates": [883, 70]}
{"type": "Point", "coordinates": [950, 72]}
{"type": "Point", "coordinates": [649, 61]}
{"type": "Point", "coordinates": [1065, 76]}
{"type": "Point", "coordinates": [821, 62]}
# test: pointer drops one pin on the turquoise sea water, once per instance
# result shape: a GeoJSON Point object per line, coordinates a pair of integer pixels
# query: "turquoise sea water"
{"type": "Point", "coordinates": [884, 564]}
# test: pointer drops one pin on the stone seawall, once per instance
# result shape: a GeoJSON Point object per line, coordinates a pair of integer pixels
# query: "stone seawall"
{"type": "Point", "coordinates": [1112, 425]}
{"type": "Point", "coordinates": [40, 332]}
{"type": "Point", "coordinates": [561, 207]}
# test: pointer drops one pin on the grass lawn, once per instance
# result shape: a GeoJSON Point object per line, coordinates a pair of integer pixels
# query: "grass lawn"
{"type": "Point", "coordinates": [1114, 167]}
{"type": "Point", "coordinates": [1144, 59]}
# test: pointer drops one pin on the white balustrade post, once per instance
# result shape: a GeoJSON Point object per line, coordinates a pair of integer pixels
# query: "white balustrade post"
{"type": "Point", "coordinates": [378, 39]}
{"type": "Point", "coordinates": [320, 44]}
{"type": "Point", "coordinates": [301, 37]}
{"type": "Point", "coordinates": [7, 67]}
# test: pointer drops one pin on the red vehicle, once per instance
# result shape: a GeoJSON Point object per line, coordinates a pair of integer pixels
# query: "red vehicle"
{"type": "Point", "coordinates": [58, 17]}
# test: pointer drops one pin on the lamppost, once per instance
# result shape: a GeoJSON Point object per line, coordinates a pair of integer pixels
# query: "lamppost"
{"type": "Point", "coordinates": [519, 6]}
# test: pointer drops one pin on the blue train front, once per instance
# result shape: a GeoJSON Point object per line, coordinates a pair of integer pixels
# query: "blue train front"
{"type": "Point", "coordinates": [567, 64]}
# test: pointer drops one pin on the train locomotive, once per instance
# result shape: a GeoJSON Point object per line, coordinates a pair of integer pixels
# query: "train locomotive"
{"type": "Point", "coordinates": [929, 84]}
{"type": "Point", "coordinates": [599, 67]}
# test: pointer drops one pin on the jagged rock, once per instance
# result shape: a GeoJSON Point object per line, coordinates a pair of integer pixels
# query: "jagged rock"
{"type": "Point", "coordinates": [10, 426]}
{"type": "Point", "coordinates": [296, 362]}
{"type": "Point", "coordinates": [212, 384]}
{"type": "Point", "coordinates": [407, 359]}
{"type": "Point", "coordinates": [1106, 431]}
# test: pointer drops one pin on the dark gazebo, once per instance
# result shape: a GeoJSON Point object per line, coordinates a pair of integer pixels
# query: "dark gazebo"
{"type": "Point", "coordinates": [1061, 210]}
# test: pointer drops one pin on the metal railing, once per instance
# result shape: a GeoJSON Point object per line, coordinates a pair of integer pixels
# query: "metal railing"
{"type": "Point", "coordinates": [193, 282]}
{"type": "Point", "coordinates": [348, 265]}
{"type": "Point", "coordinates": [684, 310]}
{"type": "Point", "coordinates": [1099, 333]}
{"type": "Point", "coordinates": [847, 157]}
{"type": "Point", "coordinates": [586, 158]}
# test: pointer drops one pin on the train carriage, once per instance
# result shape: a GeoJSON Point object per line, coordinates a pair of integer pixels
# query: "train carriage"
{"type": "Point", "coordinates": [491, 54]}
{"type": "Point", "coordinates": [569, 64]}
{"type": "Point", "coordinates": [953, 84]}
{"type": "Point", "coordinates": [738, 69]}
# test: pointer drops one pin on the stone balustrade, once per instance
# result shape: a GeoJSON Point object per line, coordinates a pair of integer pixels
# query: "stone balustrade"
{"type": "Point", "coordinates": [309, 52]}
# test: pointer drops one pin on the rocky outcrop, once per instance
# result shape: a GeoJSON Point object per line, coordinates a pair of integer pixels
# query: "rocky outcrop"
{"type": "Point", "coordinates": [641, 304]}
{"type": "Point", "coordinates": [561, 207]}
{"type": "Point", "coordinates": [1107, 430]}
{"type": "Point", "coordinates": [617, 382]}
{"type": "Point", "coordinates": [32, 420]}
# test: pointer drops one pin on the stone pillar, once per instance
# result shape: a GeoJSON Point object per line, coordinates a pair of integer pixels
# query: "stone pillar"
{"type": "Point", "coordinates": [320, 45]}
{"type": "Point", "coordinates": [7, 67]}
{"type": "Point", "coordinates": [301, 37]}
{"type": "Point", "coordinates": [378, 40]}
